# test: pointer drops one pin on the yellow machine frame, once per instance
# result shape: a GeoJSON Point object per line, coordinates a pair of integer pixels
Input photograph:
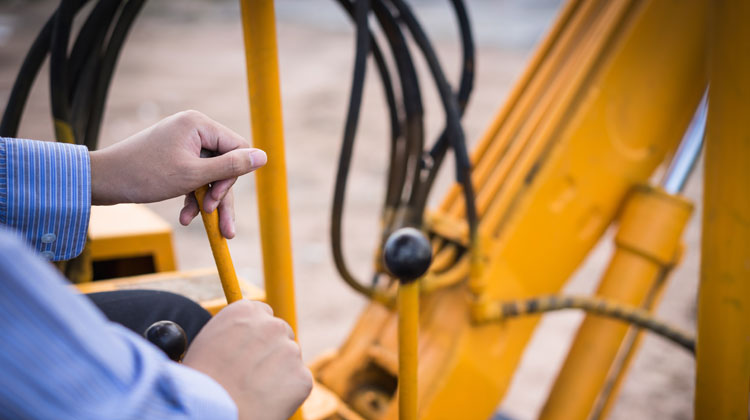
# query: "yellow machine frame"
{"type": "Point", "coordinates": [602, 104]}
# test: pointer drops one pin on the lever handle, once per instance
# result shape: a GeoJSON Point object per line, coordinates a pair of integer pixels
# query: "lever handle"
{"type": "Point", "coordinates": [218, 243]}
{"type": "Point", "coordinates": [407, 256]}
{"type": "Point", "coordinates": [169, 337]}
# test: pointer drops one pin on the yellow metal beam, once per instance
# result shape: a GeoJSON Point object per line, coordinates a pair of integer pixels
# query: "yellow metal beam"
{"type": "Point", "coordinates": [259, 27]}
{"type": "Point", "coordinates": [723, 352]}
{"type": "Point", "coordinates": [648, 245]}
{"type": "Point", "coordinates": [592, 129]}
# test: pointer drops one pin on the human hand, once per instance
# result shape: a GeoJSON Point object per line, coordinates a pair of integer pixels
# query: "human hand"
{"type": "Point", "coordinates": [255, 358]}
{"type": "Point", "coordinates": [163, 161]}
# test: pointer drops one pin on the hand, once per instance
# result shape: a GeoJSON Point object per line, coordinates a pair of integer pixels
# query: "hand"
{"type": "Point", "coordinates": [163, 161]}
{"type": "Point", "coordinates": [255, 358]}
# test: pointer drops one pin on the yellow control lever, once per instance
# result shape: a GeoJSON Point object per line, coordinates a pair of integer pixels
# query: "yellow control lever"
{"type": "Point", "coordinates": [219, 246]}
{"type": "Point", "coordinates": [407, 255]}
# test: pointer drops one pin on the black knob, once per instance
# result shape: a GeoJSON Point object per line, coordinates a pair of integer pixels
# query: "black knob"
{"type": "Point", "coordinates": [407, 254]}
{"type": "Point", "coordinates": [169, 337]}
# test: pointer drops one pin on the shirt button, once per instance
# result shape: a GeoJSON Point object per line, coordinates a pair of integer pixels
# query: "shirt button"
{"type": "Point", "coordinates": [48, 238]}
{"type": "Point", "coordinates": [48, 255]}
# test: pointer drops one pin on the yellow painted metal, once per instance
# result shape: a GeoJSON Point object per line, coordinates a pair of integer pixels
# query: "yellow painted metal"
{"type": "Point", "coordinates": [259, 27]}
{"type": "Point", "coordinates": [723, 353]}
{"type": "Point", "coordinates": [648, 245]}
{"type": "Point", "coordinates": [220, 250]}
{"type": "Point", "coordinates": [200, 286]}
{"type": "Point", "coordinates": [130, 230]}
{"type": "Point", "coordinates": [408, 333]}
{"type": "Point", "coordinates": [63, 132]}
{"type": "Point", "coordinates": [554, 169]}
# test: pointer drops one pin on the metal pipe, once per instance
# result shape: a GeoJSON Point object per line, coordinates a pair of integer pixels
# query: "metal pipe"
{"type": "Point", "coordinates": [262, 61]}
{"type": "Point", "coordinates": [219, 248]}
{"type": "Point", "coordinates": [259, 27]}
{"type": "Point", "coordinates": [690, 149]}
{"type": "Point", "coordinates": [408, 333]}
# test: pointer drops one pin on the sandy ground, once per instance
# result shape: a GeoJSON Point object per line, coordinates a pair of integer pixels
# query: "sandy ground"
{"type": "Point", "coordinates": [189, 56]}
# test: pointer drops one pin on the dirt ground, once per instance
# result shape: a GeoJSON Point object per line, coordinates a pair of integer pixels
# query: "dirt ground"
{"type": "Point", "coordinates": [189, 56]}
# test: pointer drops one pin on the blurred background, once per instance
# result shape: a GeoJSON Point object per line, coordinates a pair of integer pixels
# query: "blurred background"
{"type": "Point", "coordinates": [188, 54]}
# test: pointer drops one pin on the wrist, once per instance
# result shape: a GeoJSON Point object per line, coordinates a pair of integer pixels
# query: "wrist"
{"type": "Point", "coordinates": [102, 186]}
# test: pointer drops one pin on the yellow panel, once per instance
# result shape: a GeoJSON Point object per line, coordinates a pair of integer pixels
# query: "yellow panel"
{"type": "Point", "coordinates": [130, 230]}
{"type": "Point", "coordinates": [202, 286]}
{"type": "Point", "coordinates": [723, 351]}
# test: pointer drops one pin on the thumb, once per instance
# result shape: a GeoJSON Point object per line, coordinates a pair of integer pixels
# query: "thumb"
{"type": "Point", "coordinates": [232, 164]}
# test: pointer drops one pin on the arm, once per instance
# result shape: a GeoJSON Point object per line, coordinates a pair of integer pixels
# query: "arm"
{"type": "Point", "coordinates": [61, 359]}
{"type": "Point", "coordinates": [46, 189]}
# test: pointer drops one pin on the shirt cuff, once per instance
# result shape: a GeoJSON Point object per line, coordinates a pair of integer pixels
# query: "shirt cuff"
{"type": "Point", "coordinates": [201, 395]}
{"type": "Point", "coordinates": [45, 195]}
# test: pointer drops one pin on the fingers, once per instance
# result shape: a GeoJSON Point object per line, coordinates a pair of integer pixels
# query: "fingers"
{"type": "Point", "coordinates": [231, 164]}
{"type": "Point", "coordinates": [289, 330]}
{"type": "Point", "coordinates": [217, 193]}
{"type": "Point", "coordinates": [225, 206]}
{"type": "Point", "coordinates": [226, 216]}
{"type": "Point", "coordinates": [189, 209]}
{"type": "Point", "coordinates": [213, 135]}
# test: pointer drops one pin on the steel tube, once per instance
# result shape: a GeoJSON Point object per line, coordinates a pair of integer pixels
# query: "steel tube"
{"type": "Point", "coordinates": [690, 149]}
{"type": "Point", "coordinates": [259, 27]}
{"type": "Point", "coordinates": [408, 328]}
{"type": "Point", "coordinates": [219, 248]}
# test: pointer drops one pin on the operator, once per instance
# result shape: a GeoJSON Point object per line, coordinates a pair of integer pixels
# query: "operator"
{"type": "Point", "coordinates": [60, 358]}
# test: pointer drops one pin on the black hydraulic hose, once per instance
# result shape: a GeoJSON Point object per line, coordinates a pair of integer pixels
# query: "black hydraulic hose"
{"type": "Point", "coordinates": [84, 63]}
{"type": "Point", "coordinates": [385, 76]}
{"type": "Point", "coordinates": [399, 147]}
{"type": "Point", "coordinates": [27, 75]}
{"type": "Point", "coordinates": [410, 150]}
{"type": "Point", "coordinates": [395, 123]}
{"type": "Point", "coordinates": [58, 65]}
{"type": "Point", "coordinates": [119, 34]}
{"type": "Point", "coordinates": [361, 13]}
{"type": "Point", "coordinates": [395, 126]}
{"type": "Point", "coordinates": [466, 84]}
{"type": "Point", "coordinates": [25, 80]}
{"type": "Point", "coordinates": [455, 132]}
{"type": "Point", "coordinates": [90, 39]}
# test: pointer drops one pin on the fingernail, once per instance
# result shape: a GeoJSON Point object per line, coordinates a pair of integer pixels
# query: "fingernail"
{"type": "Point", "coordinates": [211, 206]}
{"type": "Point", "coordinates": [258, 158]}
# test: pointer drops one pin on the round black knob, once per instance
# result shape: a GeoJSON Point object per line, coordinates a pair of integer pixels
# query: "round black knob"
{"type": "Point", "coordinates": [169, 337]}
{"type": "Point", "coordinates": [407, 254]}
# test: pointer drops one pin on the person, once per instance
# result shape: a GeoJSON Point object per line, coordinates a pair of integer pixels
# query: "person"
{"type": "Point", "coordinates": [61, 358]}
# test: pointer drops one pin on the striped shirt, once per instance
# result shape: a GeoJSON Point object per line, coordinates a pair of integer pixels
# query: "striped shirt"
{"type": "Point", "coordinates": [59, 357]}
{"type": "Point", "coordinates": [45, 195]}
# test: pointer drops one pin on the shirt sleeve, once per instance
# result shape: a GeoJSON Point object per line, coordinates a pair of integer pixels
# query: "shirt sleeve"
{"type": "Point", "coordinates": [45, 195]}
{"type": "Point", "coordinates": [61, 359]}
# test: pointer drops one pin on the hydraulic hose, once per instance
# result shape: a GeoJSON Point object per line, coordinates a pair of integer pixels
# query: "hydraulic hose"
{"type": "Point", "coordinates": [400, 148]}
{"type": "Point", "coordinates": [408, 180]}
{"type": "Point", "coordinates": [361, 13]}
{"type": "Point", "coordinates": [450, 104]}
{"type": "Point", "coordinates": [119, 33]}
{"type": "Point", "coordinates": [497, 311]}
{"type": "Point", "coordinates": [25, 80]}
{"type": "Point", "coordinates": [58, 74]}
{"type": "Point", "coordinates": [466, 85]}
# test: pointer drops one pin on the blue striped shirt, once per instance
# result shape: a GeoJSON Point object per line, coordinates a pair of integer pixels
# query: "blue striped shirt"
{"type": "Point", "coordinates": [59, 357]}
{"type": "Point", "coordinates": [45, 195]}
